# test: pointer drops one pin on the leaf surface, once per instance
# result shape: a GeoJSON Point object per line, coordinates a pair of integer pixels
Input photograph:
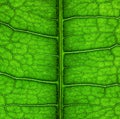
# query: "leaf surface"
{"type": "Point", "coordinates": [59, 59]}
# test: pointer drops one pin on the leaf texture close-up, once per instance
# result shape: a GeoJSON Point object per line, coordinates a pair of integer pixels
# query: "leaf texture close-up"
{"type": "Point", "coordinates": [59, 59]}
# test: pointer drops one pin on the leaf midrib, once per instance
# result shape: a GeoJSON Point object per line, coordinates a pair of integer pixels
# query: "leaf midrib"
{"type": "Point", "coordinates": [61, 56]}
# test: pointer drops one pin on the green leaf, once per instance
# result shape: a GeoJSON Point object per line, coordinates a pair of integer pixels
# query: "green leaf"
{"type": "Point", "coordinates": [59, 59]}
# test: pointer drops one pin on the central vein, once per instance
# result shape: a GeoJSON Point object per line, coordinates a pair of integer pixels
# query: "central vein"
{"type": "Point", "coordinates": [61, 55]}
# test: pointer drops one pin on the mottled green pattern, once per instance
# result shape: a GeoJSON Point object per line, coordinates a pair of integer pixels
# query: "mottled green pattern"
{"type": "Point", "coordinates": [92, 60]}
{"type": "Point", "coordinates": [59, 59]}
{"type": "Point", "coordinates": [28, 59]}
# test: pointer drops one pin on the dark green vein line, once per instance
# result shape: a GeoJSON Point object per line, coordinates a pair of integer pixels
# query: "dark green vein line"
{"type": "Point", "coordinates": [79, 104]}
{"type": "Point", "coordinates": [60, 85]}
{"type": "Point", "coordinates": [93, 85]}
{"type": "Point", "coordinates": [29, 32]}
{"type": "Point", "coordinates": [27, 79]}
{"type": "Point", "coordinates": [30, 105]}
{"type": "Point", "coordinates": [82, 34]}
{"type": "Point", "coordinates": [92, 50]}
{"type": "Point", "coordinates": [76, 66]}
{"type": "Point", "coordinates": [86, 17]}
{"type": "Point", "coordinates": [53, 55]}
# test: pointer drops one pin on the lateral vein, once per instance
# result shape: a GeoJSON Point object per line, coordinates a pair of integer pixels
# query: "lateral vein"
{"type": "Point", "coordinates": [27, 79]}
{"type": "Point", "coordinates": [30, 105]}
{"type": "Point", "coordinates": [92, 50]}
{"type": "Point", "coordinates": [26, 31]}
{"type": "Point", "coordinates": [93, 85]}
{"type": "Point", "coordinates": [86, 17]}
